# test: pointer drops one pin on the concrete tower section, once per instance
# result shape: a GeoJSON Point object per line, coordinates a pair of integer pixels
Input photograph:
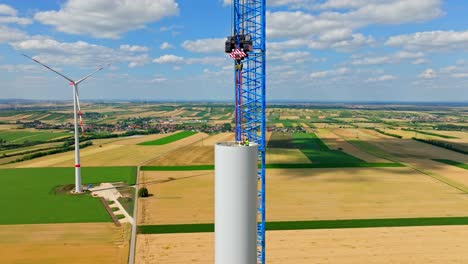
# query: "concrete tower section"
{"type": "Point", "coordinates": [236, 203]}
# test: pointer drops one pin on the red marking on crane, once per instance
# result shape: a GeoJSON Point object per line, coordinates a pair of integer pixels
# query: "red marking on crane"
{"type": "Point", "coordinates": [238, 54]}
{"type": "Point", "coordinates": [77, 165]}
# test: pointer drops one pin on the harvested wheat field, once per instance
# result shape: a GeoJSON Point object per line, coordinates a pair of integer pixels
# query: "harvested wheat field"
{"type": "Point", "coordinates": [432, 244]}
{"type": "Point", "coordinates": [64, 243]}
{"type": "Point", "coordinates": [307, 194]}
{"type": "Point", "coordinates": [334, 141]}
{"type": "Point", "coordinates": [115, 153]}
{"type": "Point", "coordinates": [401, 148]}
{"type": "Point", "coordinates": [461, 138]}
{"type": "Point", "coordinates": [444, 171]}
{"type": "Point", "coordinates": [200, 153]}
{"type": "Point", "coordinates": [285, 156]}
{"type": "Point", "coordinates": [181, 197]}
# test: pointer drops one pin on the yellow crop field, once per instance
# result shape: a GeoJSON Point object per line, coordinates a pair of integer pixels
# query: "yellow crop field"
{"type": "Point", "coordinates": [285, 156]}
{"type": "Point", "coordinates": [123, 152]}
{"type": "Point", "coordinates": [307, 194]}
{"type": "Point", "coordinates": [344, 246]}
{"type": "Point", "coordinates": [64, 243]}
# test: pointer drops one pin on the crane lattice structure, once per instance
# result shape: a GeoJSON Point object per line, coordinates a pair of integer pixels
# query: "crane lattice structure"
{"type": "Point", "coordinates": [248, 49]}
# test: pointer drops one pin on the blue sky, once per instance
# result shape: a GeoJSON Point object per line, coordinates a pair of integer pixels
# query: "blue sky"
{"type": "Point", "coordinates": [323, 50]}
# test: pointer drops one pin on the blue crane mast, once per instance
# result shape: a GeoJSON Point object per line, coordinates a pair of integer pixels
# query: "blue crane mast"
{"type": "Point", "coordinates": [247, 46]}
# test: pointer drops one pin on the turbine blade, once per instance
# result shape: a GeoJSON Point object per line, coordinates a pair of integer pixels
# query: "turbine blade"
{"type": "Point", "coordinates": [89, 75]}
{"type": "Point", "coordinates": [48, 68]}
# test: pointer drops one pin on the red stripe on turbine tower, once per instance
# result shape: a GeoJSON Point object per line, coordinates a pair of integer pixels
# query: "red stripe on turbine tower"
{"type": "Point", "coordinates": [77, 165]}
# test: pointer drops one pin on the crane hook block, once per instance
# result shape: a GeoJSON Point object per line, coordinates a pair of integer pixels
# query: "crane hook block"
{"type": "Point", "coordinates": [242, 42]}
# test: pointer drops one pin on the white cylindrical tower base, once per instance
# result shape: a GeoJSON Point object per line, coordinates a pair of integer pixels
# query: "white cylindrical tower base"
{"type": "Point", "coordinates": [235, 203]}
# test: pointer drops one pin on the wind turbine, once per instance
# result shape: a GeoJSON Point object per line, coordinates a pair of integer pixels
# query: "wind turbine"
{"type": "Point", "coordinates": [76, 106]}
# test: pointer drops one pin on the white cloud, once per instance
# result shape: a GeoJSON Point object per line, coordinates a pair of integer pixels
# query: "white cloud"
{"type": "Point", "coordinates": [173, 59]}
{"type": "Point", "coordinates": [216, 61]}
{"type": "Point", "coordinates": [8, 15]}
{"type": "Point", "coordinates": [354, 41]}
{"type": "Point", "coordinates": [431, 41]}
{"type": "Point", "coordinates": [169, 59]}
{"type": "Point", "coordinates": [382, 78]}
{"type": "Point", "coordinates": [300, 24]}
{"type": "Point", "coordinates": [7, 10]}
{"type": "Point", "coordinates": [19, 67]}
{"type": "Point", "coordinates": [460, 75]}
{"type": "Point", "coordinates": [292, 3]}
{"type": "Point", "coordinates": [393, 58]}
{"type": "Point", "coordinates": [106, 18]}
{"type": "Point", "coordinates": [159, 79]}
{"type": "Point", "coordinates": [8, 34]}
{"type": "Point", "coordinates": [209, 45]}
{"type": "Point", "coordinates": [165, 46]}
{"type": "Point", "coordinates": [78, 53]}
{"type": "Point", "coordinates": [420, 61]}
{"type": "Point", "coordinates": [288, 44]}
{"type": "Point", "coordinates": [330, 73]}
{"type": "Point", "coordinates": [290, 57]}
{"type": "Point", "coordinates": [342, 4]}
{"type": "Point", "coordinates": [428, 74]}
{"type": "Point", "coordinates": [134, 48]}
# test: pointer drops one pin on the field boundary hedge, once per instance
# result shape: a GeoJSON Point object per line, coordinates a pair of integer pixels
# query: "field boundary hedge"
{"type": "Point", "coordinates": [386, 133]}
{"type": "Point", "coordinates": [441, 145]}
{"type": "Point", "coordinates": [453, 163]}
{"type": "Point", "coordinates": [429, 133]}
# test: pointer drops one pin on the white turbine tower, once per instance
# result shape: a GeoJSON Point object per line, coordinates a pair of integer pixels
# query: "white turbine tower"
{"type": "Point", "coordinates": [76, 106]}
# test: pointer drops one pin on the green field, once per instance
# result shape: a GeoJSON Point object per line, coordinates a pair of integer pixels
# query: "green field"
{"type": "Point", "coordinates": [454, 163]}
{"type": "Point", "coordinates": [318, 152]}
{"type": "Point", "coordinates": [169, 139]}
{"type": "Point", "coordinates": [19, 137]}
{"type": "Point", "coordinates": [28, 195]}
{"type": "Point", "coordinates": [319, 224]}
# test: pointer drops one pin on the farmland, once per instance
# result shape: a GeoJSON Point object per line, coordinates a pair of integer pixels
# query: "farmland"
{"type": "Point", "coordinates": [64, 243]}
{"type": "Point", "coordinates": [168, 139]}
{"type": "Point", "coordinates": [361, 171]}
{"type": "Point", "coordinates": [22, 136]}
{"type": "Point", "coordinates": [363, 245]}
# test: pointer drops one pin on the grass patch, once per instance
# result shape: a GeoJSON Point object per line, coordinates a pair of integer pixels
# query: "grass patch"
{"type": "Point", "coordinates": [29, 195]}
{"type": "Point", "coordinates": [127, 200]}
{"type": "Point", "coordinates": [120, 216]}
{"type": "Point", "coordinates": [319, 224]}
{"type": "Point", "coordinates": [169, 139]}
{"type": "Point", "coordinates": [454, 163]}
{"type": "Point", "coordinates": [177, 168]}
